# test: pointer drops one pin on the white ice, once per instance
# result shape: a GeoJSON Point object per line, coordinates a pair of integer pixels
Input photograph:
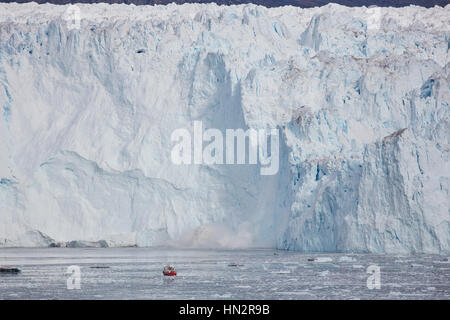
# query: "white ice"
{"type": "Point", "coordinates": [361, 96]}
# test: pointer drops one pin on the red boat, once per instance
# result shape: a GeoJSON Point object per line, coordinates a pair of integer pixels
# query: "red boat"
{"type": "Point", "coordinates": [169, 271]}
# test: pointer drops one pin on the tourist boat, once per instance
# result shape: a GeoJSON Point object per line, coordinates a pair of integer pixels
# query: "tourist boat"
{"type": "Point", "coordinates": [169, 271]}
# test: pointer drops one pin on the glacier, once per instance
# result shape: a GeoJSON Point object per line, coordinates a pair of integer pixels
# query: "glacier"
{"type": "Point", "coordinates": [361, 96]}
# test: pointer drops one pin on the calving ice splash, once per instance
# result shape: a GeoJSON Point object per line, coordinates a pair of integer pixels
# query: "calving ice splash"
{"type": "Point", "coordinates": [241, 147]}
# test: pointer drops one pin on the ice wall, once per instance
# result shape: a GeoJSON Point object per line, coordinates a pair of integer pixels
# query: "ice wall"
{"type": "Point", "coordinates": [361, 98]}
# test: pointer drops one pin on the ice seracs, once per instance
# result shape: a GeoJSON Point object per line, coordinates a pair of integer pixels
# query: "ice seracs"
{"type": "Point", "coordinates": [87, 114]}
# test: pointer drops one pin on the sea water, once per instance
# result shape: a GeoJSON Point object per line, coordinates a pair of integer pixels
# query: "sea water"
{"type": "Point", "coordinates": [136, 273]}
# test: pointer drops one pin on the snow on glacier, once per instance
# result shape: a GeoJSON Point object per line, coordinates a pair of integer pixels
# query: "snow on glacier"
{"type": "Point", "coordinates": [87, 114]}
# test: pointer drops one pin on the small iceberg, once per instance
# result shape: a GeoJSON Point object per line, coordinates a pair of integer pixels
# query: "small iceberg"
{"type": "Point", "coordinates": [235, 265]}
{"type": "Point", "coordinates": [9, 270]}
{"type": "Point", "coordinates": [323, 259]}
{"type": "Point", "coordinates": [347, 259]}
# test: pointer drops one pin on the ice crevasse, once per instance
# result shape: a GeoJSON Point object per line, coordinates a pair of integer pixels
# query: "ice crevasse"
{"type": "Point", "coordinates": [360, 96]}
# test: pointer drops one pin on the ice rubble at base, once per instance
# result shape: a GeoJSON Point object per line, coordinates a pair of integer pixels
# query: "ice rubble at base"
{"type": "Point", "coordinates": [88, 113]}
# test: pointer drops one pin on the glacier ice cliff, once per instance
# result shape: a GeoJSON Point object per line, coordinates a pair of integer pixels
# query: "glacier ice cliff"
{"type": "Point", "coordinates": [86, 116]}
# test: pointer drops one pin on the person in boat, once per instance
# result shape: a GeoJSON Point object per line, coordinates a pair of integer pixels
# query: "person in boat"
{"type": "Point", "coordinates": [169, 270]}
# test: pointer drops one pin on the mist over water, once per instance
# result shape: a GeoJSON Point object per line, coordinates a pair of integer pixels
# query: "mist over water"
{"type": "Point", "coordinates": [213, 236]}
